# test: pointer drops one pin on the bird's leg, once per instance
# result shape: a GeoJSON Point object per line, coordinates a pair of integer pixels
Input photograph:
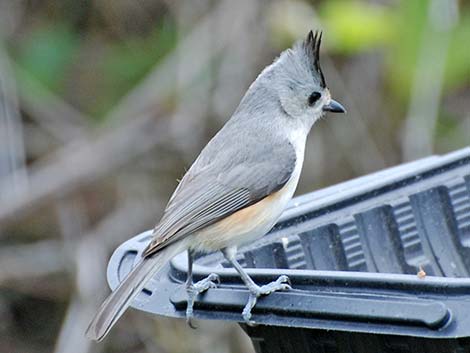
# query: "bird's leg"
{"type": "Point", "coordinates": [282, 283]}
{"type": "Point", "coordinates": [193, 289]}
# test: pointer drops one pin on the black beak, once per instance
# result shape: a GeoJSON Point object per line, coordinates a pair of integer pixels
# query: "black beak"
{"type": "Point", "coordinates": [334, 107]}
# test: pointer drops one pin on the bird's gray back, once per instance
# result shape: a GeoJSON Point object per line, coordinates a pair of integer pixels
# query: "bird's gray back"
{"type": "Point", "coordinates": [240, 166]}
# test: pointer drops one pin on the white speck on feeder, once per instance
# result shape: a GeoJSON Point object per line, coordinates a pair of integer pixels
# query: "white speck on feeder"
{"type": "Point", "coordinates": [285, 241]}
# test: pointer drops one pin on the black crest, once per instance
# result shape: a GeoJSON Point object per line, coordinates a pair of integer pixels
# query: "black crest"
{"type": "Point", "coordinates": [312, 50]}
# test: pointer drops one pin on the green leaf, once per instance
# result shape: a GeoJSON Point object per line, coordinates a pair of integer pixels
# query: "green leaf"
{"type": "Point", "coordinates": [458, 60]}
{"type": "Point", "coordinates": [354, 26]}
{"type": "Point", "coordinates": [47, 53]}
{"type": "Point", "coordinates": [124, 64]}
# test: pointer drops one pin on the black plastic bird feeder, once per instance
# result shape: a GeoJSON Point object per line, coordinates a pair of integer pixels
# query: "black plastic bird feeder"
{"type": "Point", "coordinates": [377, 264]}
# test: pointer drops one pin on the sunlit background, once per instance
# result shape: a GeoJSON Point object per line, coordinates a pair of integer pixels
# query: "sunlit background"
{"type": "Point", "coordinates": [104, 103]}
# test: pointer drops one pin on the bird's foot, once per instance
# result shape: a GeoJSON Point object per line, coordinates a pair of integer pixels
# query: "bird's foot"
{"type": "Point", "coordinates": [194, 289]}
{"type": "Point", "coordinates": [282, 283]}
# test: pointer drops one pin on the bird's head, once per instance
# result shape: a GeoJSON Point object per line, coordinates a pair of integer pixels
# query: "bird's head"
{"type": "Point", "coordinates": [298, 80]}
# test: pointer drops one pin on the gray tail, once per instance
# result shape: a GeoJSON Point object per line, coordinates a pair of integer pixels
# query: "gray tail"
{"type": "Point", "coordinates": [118, 301]}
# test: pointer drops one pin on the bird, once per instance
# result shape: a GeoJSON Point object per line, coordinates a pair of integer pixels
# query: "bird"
{"type": "Point", "coordinates": [240, 183]}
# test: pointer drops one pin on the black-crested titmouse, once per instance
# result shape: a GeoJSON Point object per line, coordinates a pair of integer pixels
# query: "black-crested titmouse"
{"type": "Point", "coordinates": [241, 182]}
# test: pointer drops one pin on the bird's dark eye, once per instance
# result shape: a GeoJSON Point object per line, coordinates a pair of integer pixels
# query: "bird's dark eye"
{"type": "Point", "coordinates": [312, 99]}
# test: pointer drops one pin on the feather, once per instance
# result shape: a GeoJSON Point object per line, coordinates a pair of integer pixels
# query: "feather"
{"type": "Point", "coordinates": [311, 46]}
{"type": "Point", "coordinates": [118, 301]}
{"type": "Point", "coordinates": [211, 196]}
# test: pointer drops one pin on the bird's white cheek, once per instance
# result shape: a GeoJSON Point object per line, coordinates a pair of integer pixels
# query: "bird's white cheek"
{"type": "Point", "coordinates": [293, 108]}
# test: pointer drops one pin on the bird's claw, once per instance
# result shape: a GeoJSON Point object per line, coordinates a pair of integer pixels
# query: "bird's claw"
{"type": "Point", "coordinates": [190, 322]}
{"type": "Point", "coordinates": [283, 283]}
{"type": "Point", "coordinates": [194, 289]}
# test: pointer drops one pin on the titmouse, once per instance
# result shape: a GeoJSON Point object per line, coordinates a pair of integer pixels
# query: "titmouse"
{"type": "Point", "coordinates": [241, 182]}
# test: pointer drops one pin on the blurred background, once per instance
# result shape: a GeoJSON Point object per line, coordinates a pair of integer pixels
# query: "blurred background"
{"type": "Point", "coordinates": [104, 103]}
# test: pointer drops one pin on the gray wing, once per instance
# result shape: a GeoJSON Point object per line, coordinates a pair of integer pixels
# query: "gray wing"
{"type": "Point", "coordinates": [215, 188]}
